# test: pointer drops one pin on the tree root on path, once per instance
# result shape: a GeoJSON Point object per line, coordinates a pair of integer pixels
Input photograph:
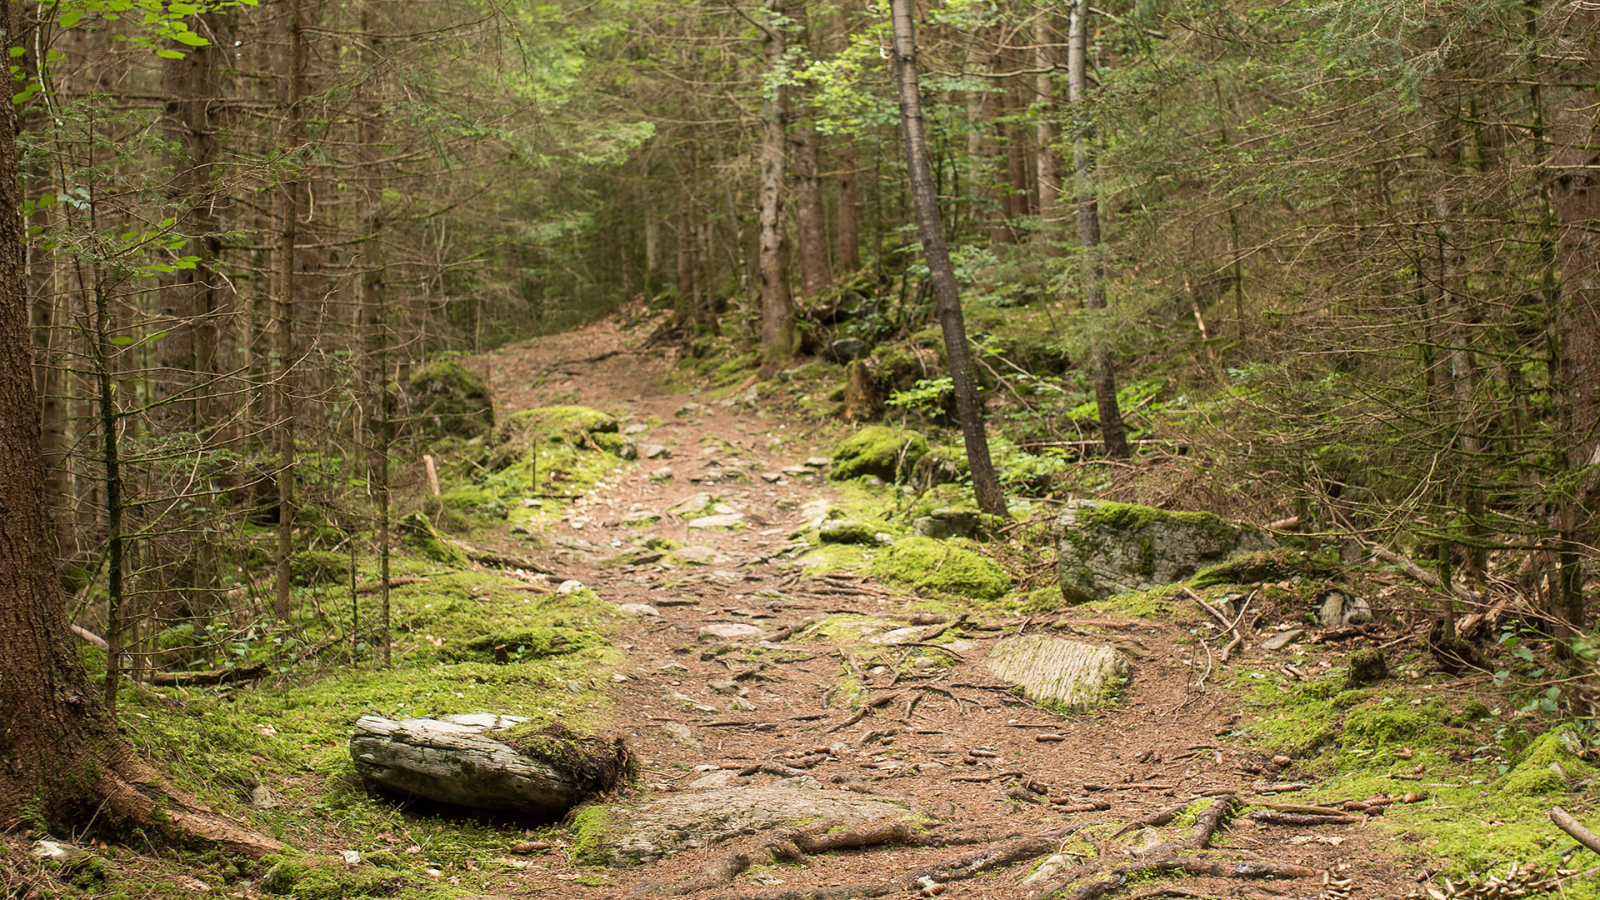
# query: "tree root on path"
{"type": "Point", "coordinates": [795, 845]}
{"type": "Point", "coordinates": [1166, 858]}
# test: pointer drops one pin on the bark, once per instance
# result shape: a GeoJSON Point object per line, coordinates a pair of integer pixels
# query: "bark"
{"type": "Point", "coordinates": [1575, 196]}
{"type": "Point", "coordinates": [816, 276]}
{"type": "Point", "coordinates": [60, 753]}
{"type": "Point", "coordinates": [925, 203]}
{"type": "Point", "coordinates": [777, 308]}
{"type": "Point", "coordinates": [1094, 276]}
{"type": "Point", "coordinates": [288, 239]}
{"type": "Point", "coordinates": [370, 287]}
{"type": "Point", "coordinates": [1047, 165]}
{"type": "Point", "coordinates": [847, 237]}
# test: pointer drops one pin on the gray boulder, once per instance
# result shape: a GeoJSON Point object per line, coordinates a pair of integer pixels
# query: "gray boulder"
{"type": "Point", "coordinates": [1103, 549]}
{"type": "Point", "coordinates": [942, 524]}
{"type": "Point", "coordinates": [458, 760]}
{"type": "Point", "coordinates": [1070, 675]}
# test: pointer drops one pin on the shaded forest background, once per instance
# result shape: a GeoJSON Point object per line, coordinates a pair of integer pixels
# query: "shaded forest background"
{"type": "Point", "coordinates": [1350, 255]}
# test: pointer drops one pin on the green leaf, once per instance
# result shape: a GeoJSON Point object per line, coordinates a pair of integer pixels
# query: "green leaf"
{"type": "Point", "coordinates": [70, 18]}
{"type": "Point", "coordinates": [122, 341]}
{"type": "Point", "coordinates": [170, 54]}
{"type": "Point", "coordinates": [184, 9]}
{"type": "Point", "coordinates": [190, 38]}
{"type": "Point", "coordinates": [18, 51]}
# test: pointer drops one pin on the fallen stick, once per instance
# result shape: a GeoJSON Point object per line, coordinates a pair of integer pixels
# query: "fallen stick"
{"type": "Point", "coordinates": [862, 712]}
{"type": "Point", "coordinates": [1564, 821]}
{"type": "Point", "coordinates": [1301, 820]}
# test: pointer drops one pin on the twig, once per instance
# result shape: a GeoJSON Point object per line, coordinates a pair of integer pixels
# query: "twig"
{"type": "Point", "coordinates": [1564, 821]}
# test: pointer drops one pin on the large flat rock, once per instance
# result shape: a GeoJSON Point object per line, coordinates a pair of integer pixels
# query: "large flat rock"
{"type": "Point", "coordinates": [664, 827]}
{"type": "Point", "coordinates": [1070, 675]}
{"type": "Point", "coordinates": [1104, 549]}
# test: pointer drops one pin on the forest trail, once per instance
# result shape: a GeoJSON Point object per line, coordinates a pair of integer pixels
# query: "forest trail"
{"type": "Point", "coordinates": [953, 745]}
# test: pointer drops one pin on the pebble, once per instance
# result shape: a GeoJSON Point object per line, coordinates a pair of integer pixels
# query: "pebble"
{"type": "Point", "coordinates": [568, 586]}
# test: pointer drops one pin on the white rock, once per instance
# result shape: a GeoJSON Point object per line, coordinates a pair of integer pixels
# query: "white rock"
{"type": "Point", "coordinates": [718, 779]}
{"type": "Point", "coordinates": [637, 609]}
{"type": "Point", "coordinates": [729, 631]}
{"type": "Point", "coordinates": [351, 857]}
{"type": "Point", "coordinates": [568, 586]}
{"type": "Point", "coordinates": [1076, 675]}
{"type": "Point", "coordinates": [60, 851]}
{"type": "Point", "coordinates": [726, 520]}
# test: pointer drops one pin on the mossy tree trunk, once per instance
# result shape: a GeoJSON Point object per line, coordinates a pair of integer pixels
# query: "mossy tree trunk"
{"type": "Point", "coordinates": [947, 298]}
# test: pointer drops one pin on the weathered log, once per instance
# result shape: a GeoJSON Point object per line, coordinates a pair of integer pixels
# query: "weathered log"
{"type": "Point", "coordinates": [459, 760]}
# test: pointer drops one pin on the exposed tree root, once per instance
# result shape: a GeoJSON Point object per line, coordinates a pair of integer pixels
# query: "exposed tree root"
{"type": "Point", "coordinates": [144, 800]}
{"type": "Point", "coordinates": [1170, 858]}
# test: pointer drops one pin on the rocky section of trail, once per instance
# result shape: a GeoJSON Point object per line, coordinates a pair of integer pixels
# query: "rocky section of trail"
{"type": "Point", "coordinates": [763, 688]}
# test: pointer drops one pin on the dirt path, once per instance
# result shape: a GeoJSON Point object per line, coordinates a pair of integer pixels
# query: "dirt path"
{"type": "Point", "coordinates": [949, 759]}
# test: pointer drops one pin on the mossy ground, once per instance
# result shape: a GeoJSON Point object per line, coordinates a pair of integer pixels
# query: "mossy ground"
{"type": "Point", "coordinates": [289, 732]}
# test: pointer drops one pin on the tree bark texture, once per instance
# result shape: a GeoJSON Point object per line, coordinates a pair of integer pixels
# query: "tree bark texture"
{"type": "Point", "coordinates": [288, 240]}
{"type": "Point", "coordinates": [947, 299]}
{"type": "Point", "coordinates": [777, 308]}
{"type": "Point", "coordinates": [847, 235]}
{"type": "Point", "coordinates": [1104, 377]}
{"type": "Point", "coordinates": [816, 276]}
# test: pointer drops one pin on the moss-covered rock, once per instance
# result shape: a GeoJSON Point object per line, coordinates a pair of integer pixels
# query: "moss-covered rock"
{"type": "Point", "coordinates": [942, 568]}
{"type": "Point", "coordinates": [889, 453]}
{"type": "Point", "coordinates": [1385, 725]}
{"type": "Point", "coordinates": [847, 531]}
{"type": "Point", "coordinates": [1536, 772]}
{"type": "Point", "coordinates": [1275, 564]}
{"type": "Point", "coordinates": [941, 465]}
{"type": "Point", "coordinates": [592, 836]}
{"type": "Point", "coordinates": [555, 434]}
{"type": "Point", "coordinates": [1104, 549]}
{"type": "Point", "coordinates": [479, 502]}
{"type": "Point", "coordinates": [450, 400]}
{"type": "Point", "coordinates": [418, 533]}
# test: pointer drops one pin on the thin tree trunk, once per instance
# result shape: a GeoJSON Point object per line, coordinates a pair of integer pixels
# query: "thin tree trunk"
{"type": "Point", "coordinates": [847, 238]}
{"type": "Point", "coordinates": [1094, 276]}
{"type": "Point", "coordinates": [925, 203]}
{"type": "Point", "coordinates": [288, 239]}
{"type": "Point", "coordinates": [1047, 163]}
{"type": "Point", "coordinates": [777, 309]}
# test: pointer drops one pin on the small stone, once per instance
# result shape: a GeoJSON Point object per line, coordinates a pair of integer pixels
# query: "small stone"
{"type": "Point", "coordinates": [729, 631]}
{"type": "Point", "coordinates": [675, 668]}
{"type": "Point", "coordinates": [818, 462]}
{"type": "Point", "coordinates": [873, 481]}
{"type": "Point", "coordinates": [618, 678]}
{"type": "Point", "coordinates": [797, 471]}
{"type": "Point", "coordinates": [846, 531]}
{"type": "Point", "coordinates": [724, 520]}
{"type": "Point", "coordinates": [628, 450]}
{"type": "Point", "coordinates": [1283, 639]}
{"type": "Point", "coordinates": [351, 857]}
{"type": "Point", "coordinates": [59, 851]}
{"type": "Point", "coordinates": [741, 704]}
{"type": "Point", "coordinates": [692, 703]}
{"type": "Point", "coordinates": [261, 797]}
{"type": "Point", "coordinates": [521, 530]}
{"type": "Point", "coordinates": [690, 409]}
{"type": "Point", "coordinates": [637, 609]}
{"type": "Point", "coordinates": [662, 474]}
{"type": "Point", "coordinates": [636, 428]}
{"type": "Point", "coordinates": [724, 687]}
{"type": "Point", "coordinates": [772, 477]}
{"type": "Point", "coordinates": [569, 586]}
{"type": "Point", "coordinates": [655, 451]}
{"type": "Point", "coordinates": [719, 779]}
{"type": "Point", "coordinates": [532, 503]}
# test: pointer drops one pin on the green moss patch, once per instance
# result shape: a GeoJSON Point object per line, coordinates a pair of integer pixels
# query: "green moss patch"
{"type": "Point", "coordinates": [591, 829]}
{"type": "Point", "coordinates": [888, 453]}
{"type": "Point", "coordinates": [941, 568]}
{"type": "Point", "coordinates": [1277, 564]}
{"type": "Point", "coordinates": [418, 533]}
{"type": "Point", "coordinates": [1536, 772]}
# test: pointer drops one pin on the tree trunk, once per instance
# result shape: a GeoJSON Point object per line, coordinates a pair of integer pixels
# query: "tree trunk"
{"type": "Point", "coordinates": [777, 309]}
{"type": "Point", "coordinates": [1575, 195]}
{"type": "Point", "coordinates": [816, 276]}
{"type": "Point", "coordinates": [847, 238]}
{"type": "Point", "coordinates": [1094, 276]}
{"type": "Point", "coordinates": [288, 239]}
{"type": "Point", "coordinates": [925, 204]}
{"type": "Point", "coordinates": [1047, 164]}
{"type": "Point", "coordinates": [61, 756]}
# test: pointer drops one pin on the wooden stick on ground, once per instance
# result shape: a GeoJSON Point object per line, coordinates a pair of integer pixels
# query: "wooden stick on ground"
{"type": "Point", "coordinates": [1564, 821]}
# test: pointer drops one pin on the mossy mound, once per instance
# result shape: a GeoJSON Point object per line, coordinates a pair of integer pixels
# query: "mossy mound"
{"type": "Point", "coordinates": [591, 836]}
{"type": "Point", "coordinates": [308, 879]}
{"type": "Point", "coordinates": [313, 567]}
{"type": "Point", "coordinates": [1536, 772]}
{"type": "Point", "coordinates": [597, 765]}
{"type": "Point", "coordinates": [418, 533]}
{"type": "Point", "coordinates": [450, 400]}
{"type": "Point", "coordinates": [888, 453]}
{"type": "Point", "coordinates": [1104, 548]}
{"type": "Point", "coordinates": [1388, 725]}
{"type": "Point", "coordinates": [941, 568]}
{"type": "Point", "coordinates": [549, 435]}
{"type": "Point", "coordinates": [532, 643]}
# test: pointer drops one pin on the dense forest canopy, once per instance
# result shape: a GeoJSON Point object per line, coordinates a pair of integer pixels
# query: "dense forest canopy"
{"type": "Point", "coordinates": [1331, 266]}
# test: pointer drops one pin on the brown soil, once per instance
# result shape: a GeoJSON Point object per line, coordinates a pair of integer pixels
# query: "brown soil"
{"type": "Point", "coordinates": [1159, 748]}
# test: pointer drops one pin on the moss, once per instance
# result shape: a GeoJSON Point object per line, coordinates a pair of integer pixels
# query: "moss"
{"type": "Point", "coordinates": [1533, 774]}
{"type": "Point", "coordinates": [596, 764]}
{"type": "Point", "coordinates": [526, 644]}
{"type": "Point", "coordinates": [1367, 666]}
{"type": "Point", "coordinates": [313, 567]}
{"type": "Point", "coordinates": [941, 465]}
{"type": "Point", "coordinates": [554, 423]}
{"type": "Point", "coordinates": [1131, 517]}
{"type": "Point", "coordinates": [1155, 603]}
{"type": "Point", "coordinates": [449, 399]}
{"type": "Point", "coordinates": [941, 568]}
{"type": "Point", "coordinates": [419, 534]}
{"type": "Point", "coordinates": [888, 453]}
{"type": "Point", "coordinates": [1277, 564]}
{"type": "Point", "coordinates": [847, 531]}
{"type": "Point", "coordinates": [1385, 725]}
{"type": "Point", "coordinates": [591, 836]}
{"type": "Point", "coordinates": [480, 502]}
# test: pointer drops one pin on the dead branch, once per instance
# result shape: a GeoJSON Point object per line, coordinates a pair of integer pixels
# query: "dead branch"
{"type": "Point", "coordinates": [1564, 821]}
{"type": "Point", "coordinates": [862, 712]}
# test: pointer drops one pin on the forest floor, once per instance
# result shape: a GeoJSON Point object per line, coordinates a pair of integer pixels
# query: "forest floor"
{"type": "Point", "coordinates": [1164, 744]}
